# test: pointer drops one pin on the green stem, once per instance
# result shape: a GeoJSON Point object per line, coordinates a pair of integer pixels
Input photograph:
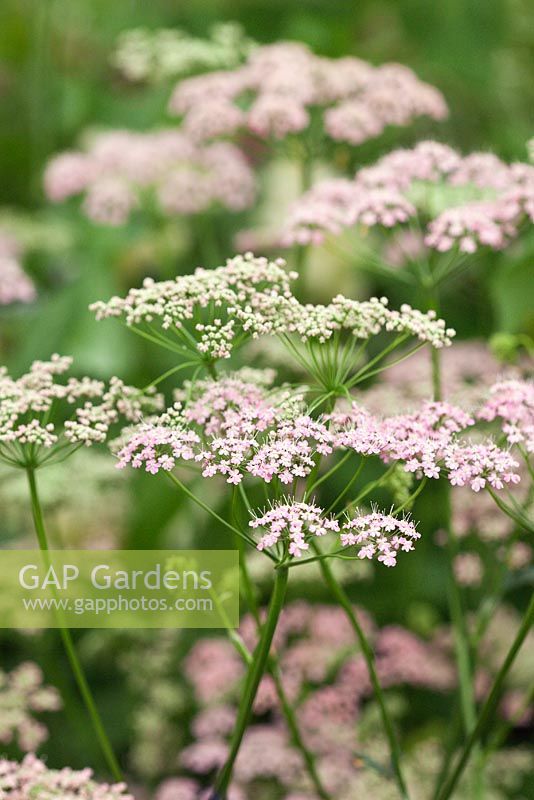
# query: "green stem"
{"type": "Point", "coordinates": [213, 513]}
{"type": "Point", "coordinates": [292, 724]}
{"type": "Point", "coordinates": [523, 522]}
{"type": "Point", "coordinates": [256, 671]}
{"type": "Point", "coordinates": [274, 671]}
{"type": "Point", "coordinates": [68, 643]}
{"type": "Point", "coordinates": [488, 709]}
{"type": "Point", "coordinates": [461, 637]}
{"type": "Point", "coordinates": [341, 597]}
{"type": "Point", "coordinates": [436, 373]}
{"type": "Point", "coordinates": [461, 642]}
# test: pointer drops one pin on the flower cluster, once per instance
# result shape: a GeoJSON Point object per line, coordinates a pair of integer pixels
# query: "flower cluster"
{"type": "Point", "coordinates": [210, 310]}
{"type": "Point", "coordinates": [380, 535]}
{"type": "Point", "coordinates": [427, 441]}
{"type": "Point", "coordinates": [363, 319]}
{"type": "Point", "coordinates": [29, 406]}
{"type": "Point", "coordinates": [158, 55]}
{"type": "Point", "coordinates": [240, 428]}
{"type": "Point", "coordinates": [243, 296]}
{"type": "Point", "coordinates": [15, 285]}
{"type": "Point", "coordinates": [238, 403]}
{"type": "Point", "coordinates": [283, 450]}
{"type": "Point", "coordinates": [275, 91]}
{"type": "Point", "coordinates": [32, 778]}
{"type": "Point", "coordinates": [429, 444]}
{"type": "Point", "coordinates": [294, 523]}
{"type": "Point", "coordinates": [472, 226]}
{"type": "Point", "coordinates": [120, 167]}
{"type": "Point", "coordinates": [512, 402]}
{"type": "Point", "coordinates": [22, 695]}
{"type": "Point", "coordinates": [491, 199]}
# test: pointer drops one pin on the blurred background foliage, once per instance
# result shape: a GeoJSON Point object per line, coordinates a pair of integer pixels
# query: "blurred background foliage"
{"type": "Point", "coordinates": [56, 80]}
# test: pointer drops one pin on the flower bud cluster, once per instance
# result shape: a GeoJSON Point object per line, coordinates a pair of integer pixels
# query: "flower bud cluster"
{"type": "Point", "coordinates": [30, 408]}
{"type": "Point", "coordinates": [386, 195]}
{"type": "Point", "coordinates": [32, 778]}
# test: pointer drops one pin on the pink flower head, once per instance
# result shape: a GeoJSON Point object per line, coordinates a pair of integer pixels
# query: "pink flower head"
{"type": "Point", "coordinates": [293, 524]}
{"type": "Point", "coordinates": [472, 226]}
{"type": "Point", "coordinates": [118, 168]}
{"type": "Point", "coordinates": [512, 402]}
{"type": "Point", "coordinates": [380, 536]}
{"type": "Point", "coordinates": [32, 778]}
{"type": "Point", "coordinates": [274, 91]}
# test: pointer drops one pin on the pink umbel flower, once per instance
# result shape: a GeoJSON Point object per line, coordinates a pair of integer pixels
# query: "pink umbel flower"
{"type": "Point", "coordinates": [32, 778]}
{"type": "Point", "coordinates": [294, 524]}
{"type": "Point", "coordinates": [240, 403]}
{"type": "Point", "coordinates": [15, 285]}
{"type": "Point", "coordinates": [273, 93]}
{"type": "Point", "coordinates": [231, 427]}
{"type": "Point", "coordinates": [363, 319]}
{"type": "Point", "coordinates": [243, 296]}
{"type": "Point", "coordinates": [426, 162]}
{"type": "Point", "coordinates": [158, 446]}
{"type": "Point", "coordinates": [380, 535]}
{"type": "Point", "coordinates": [429, 441]}
{"type": "Point", "coordinates": [471, 226]}
{"type": "Point", "coordinates": [487, 199]}
{"type": "Point", "coordinates": [512, 403]}
{"type": "Point", "coordinates": [250, 297]}
{"type": "Point", "coordinates": [29, 406]}
{"type": "Point", "coordinates": [118, 168]}
{"type": "Point", "coordinates": [468, 569]}
{"type": "Point", "coordinates": [22, 695]}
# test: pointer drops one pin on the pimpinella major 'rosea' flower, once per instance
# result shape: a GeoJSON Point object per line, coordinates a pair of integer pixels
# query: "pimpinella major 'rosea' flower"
{"type": "Point", "coordinates": [32, 778]}
{"type": "Point", "coordinates": [380, 535]}
{"type": "Point", "coordinates": [22, 695]}
{"type": "Point", "coordinates": [293, 524]}
{"type": "Point", "coordinates": [512, 403]}
{"type": "Point", "coordinates": [430, 441]}
{"type": "Point", "coordinates": [119, 168]}
{"type": "Point", "coordinates": [482, 204]}
{"type": "Point", "coordinates": [210, 311]}
{"type": "Point", "coordinates": [42, 419]}
{"type": "Point", "coordinates": [276, 91]}
{"type": "Point", "coordinates": [276, 441]}
{"type": "Point", "coordinates": [207, 314]}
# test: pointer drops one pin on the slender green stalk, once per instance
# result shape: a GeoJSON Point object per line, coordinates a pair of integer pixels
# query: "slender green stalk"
{"type": "Point", "coordinates": [488, 709]}
{"type": "Point", "coordinates": [252, 682]}
{"type": "Point", "coordinates": [461, 641]}
{"type": "Point", "coordinates": [461, 637]}
{"type": "Point", "coordinates": [68, 644]}
{"type": "Point", "coordinates": [501, 734]}
{"type": "Point", "coordinates": [213, 513]}
{"type": "Point", "coordinates": [519, 519]}
{"type": "Point", "coordinates": [274, 671]}
{"type": "Point", "coordinates": [367, 652]}
{"type": "Point", "coordinates": [436, 373]}
{"type": "Point", "coordinates": [294, 729]}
